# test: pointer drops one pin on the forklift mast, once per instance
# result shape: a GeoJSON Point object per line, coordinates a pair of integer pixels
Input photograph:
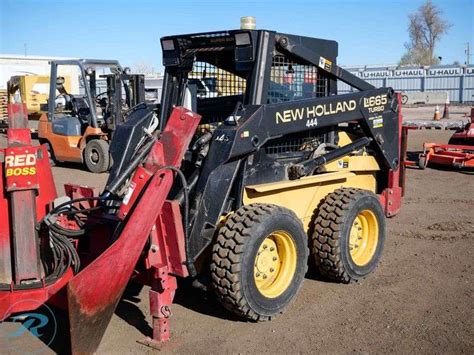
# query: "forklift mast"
{"type": "Point", "coordinates": [123, 90]}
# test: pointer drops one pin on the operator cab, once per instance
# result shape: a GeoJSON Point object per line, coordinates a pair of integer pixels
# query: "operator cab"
{"type": "Point", "coordinates": [216, 73]}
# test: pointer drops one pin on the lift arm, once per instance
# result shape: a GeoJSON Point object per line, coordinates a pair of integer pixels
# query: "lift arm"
{"type": "Point", "coordinates": [376, 111]}
{"type": "Point", "coordinates": [291, 45]}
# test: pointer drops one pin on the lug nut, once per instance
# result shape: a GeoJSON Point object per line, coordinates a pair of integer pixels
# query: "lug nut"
{"type": "Point", "coordinates": [265, 246]}
{"type": "Point", "coordinates": [272, 269]}
{"type": "Point", "coordinates": [257, 274]}
{"type": "Point", "coordinates": [274, 258]}
{"type": "Point", "coordinates": [272, 249]}
{"type": "Point", "coordinates": [264, 276]}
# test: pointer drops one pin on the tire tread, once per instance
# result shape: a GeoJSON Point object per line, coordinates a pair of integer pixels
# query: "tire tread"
{"type": "Point", "coordinates": [326, 243]}
{"type": "Point", "coordinates": [228, 254]}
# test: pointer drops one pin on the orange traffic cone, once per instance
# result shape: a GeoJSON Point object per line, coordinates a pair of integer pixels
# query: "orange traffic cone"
{"type": "Point", "coordinates": [437, 115]}
{"type": "Point", "coordinates": [446, 108]}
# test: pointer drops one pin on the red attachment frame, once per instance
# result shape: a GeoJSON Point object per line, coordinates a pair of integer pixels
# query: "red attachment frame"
{"type": "Point", "coordinates": [391, 197]}
{"type": "Point", "coordinates": [94, 293]}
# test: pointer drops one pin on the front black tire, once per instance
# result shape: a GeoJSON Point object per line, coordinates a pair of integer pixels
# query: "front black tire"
{"type": "Point", "coordinates": [241, 261]}
{"type": "Point", "coordinates": [97, 156]}
{"type": "Point", "coordinates": [340, 253]}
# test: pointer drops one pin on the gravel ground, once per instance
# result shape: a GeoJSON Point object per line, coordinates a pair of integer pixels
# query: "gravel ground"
{"type": "Point", "coordinates": [419, 299]}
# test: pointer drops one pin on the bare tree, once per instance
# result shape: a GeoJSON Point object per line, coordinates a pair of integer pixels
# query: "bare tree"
{"type": "Point", "coordinates": [426, 26]}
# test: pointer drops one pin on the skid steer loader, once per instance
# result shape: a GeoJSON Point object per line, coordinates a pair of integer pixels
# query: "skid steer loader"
{"type": "Point", "coordinates": [230, 190]}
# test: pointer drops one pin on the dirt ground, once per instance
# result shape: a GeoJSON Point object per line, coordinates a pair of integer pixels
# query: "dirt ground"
{"type": "Point", "coordinates": [419, 299]}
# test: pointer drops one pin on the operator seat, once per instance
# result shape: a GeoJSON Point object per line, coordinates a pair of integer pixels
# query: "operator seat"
{"type": "Point", "coordinates": [71, 121]}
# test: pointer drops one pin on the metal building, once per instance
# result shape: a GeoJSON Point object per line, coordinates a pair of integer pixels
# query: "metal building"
{"type": "Point", "coordinates": [457, 81]}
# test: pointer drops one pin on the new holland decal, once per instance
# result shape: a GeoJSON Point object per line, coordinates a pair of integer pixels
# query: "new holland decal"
{"type": "Point", "coordinates": [311, 113]}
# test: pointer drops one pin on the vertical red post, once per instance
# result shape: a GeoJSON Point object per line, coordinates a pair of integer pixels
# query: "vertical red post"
{"type": "Point", "coordinates": [166, 257]}
{"type": "Point", "coordinates": [21, 186]}
{"type": "Point", "coordinates": [391, 196]}
{"type": "Point", "coordinates": [161, 298]}
{"type": "Point", "coordinates": [5, 246]}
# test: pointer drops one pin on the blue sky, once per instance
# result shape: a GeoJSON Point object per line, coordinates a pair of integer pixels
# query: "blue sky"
{"type": "Point", "coordinates": [368, 32]}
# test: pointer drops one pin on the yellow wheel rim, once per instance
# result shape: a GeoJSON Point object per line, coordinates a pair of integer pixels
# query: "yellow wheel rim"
{"type": "Point", "coordinates": [275, 264]}
{"type": "Point", "coordinates": [363, 237]}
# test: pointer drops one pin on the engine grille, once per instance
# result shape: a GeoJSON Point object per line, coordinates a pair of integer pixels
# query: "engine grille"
{"type": "Point", "coordinates": [303, 142]}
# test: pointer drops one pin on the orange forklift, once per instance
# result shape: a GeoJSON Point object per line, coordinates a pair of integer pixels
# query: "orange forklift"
{"type": "Point", "coordinates": [79, 124]}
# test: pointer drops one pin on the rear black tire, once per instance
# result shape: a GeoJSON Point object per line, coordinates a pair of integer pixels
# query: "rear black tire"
{"type": "Point", "coordinates": [97, 156]}
{"type": "Point", "coordinates": [332, 234]}
{"type": "Point", "coordinates": [235, 258]}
